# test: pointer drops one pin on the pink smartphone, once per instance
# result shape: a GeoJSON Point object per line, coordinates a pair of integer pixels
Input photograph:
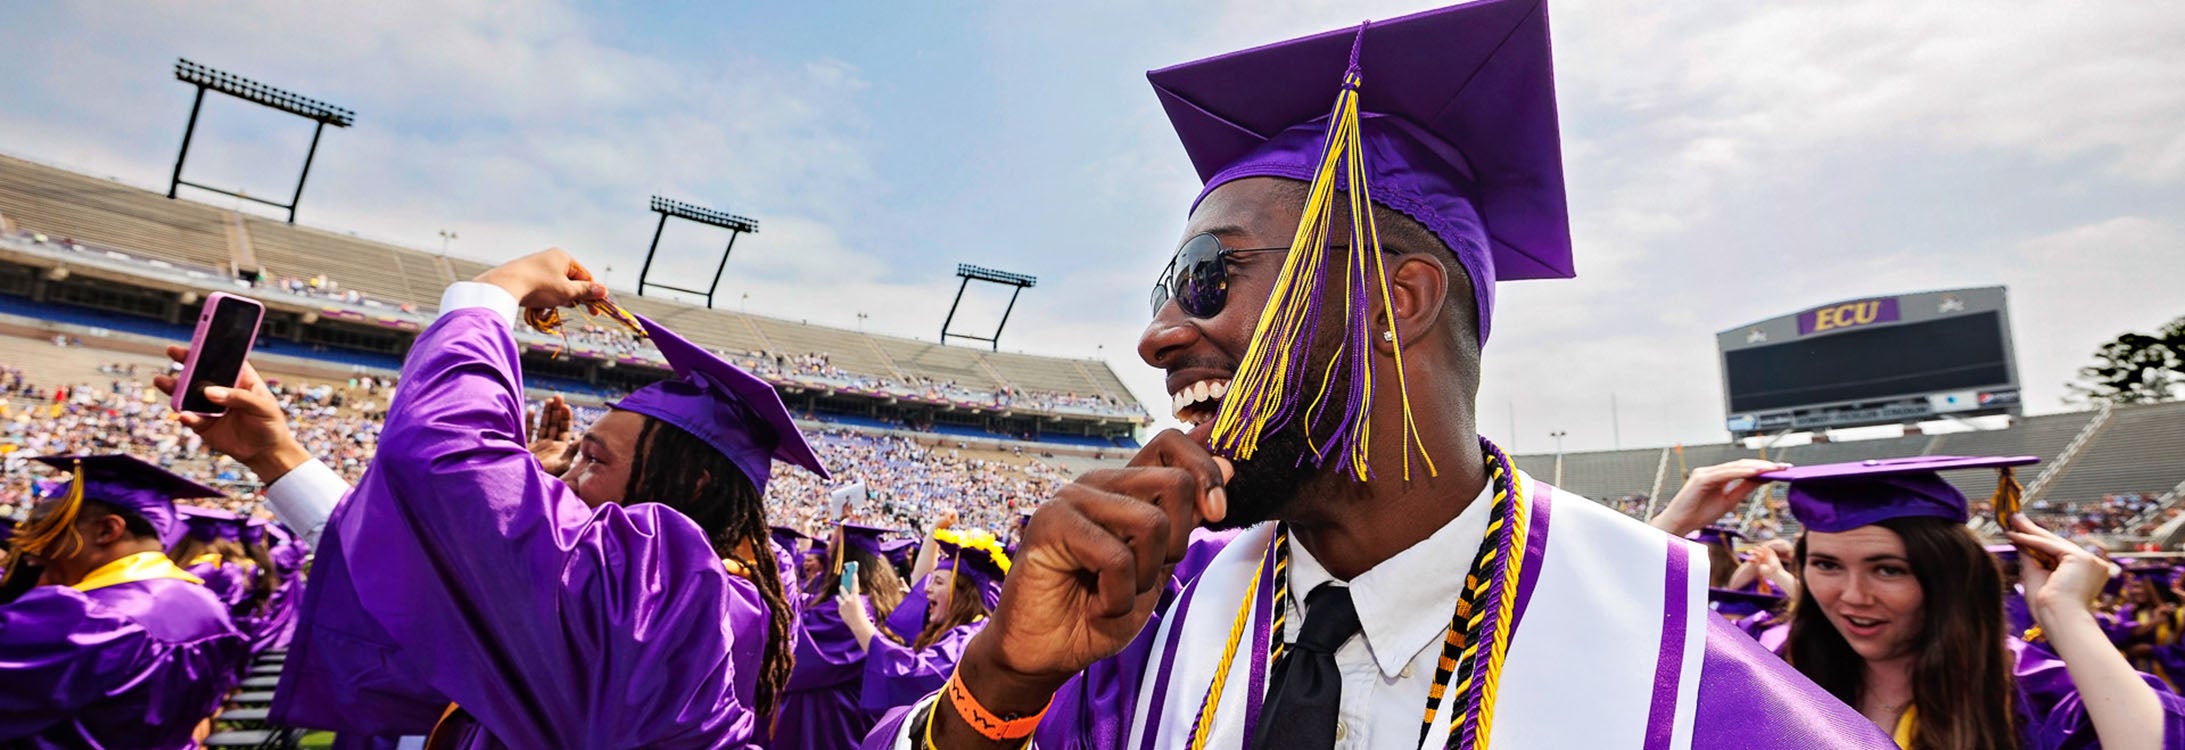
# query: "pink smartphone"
{"type": "Point", "coordinates": [226, 328]}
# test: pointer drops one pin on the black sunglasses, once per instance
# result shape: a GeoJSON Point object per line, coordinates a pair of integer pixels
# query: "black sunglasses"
{"type": "Point", "coordinates": [1198, 277]}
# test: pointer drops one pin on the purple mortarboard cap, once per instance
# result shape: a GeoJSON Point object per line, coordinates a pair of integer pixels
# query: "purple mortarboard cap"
{"type": "Point", "coordinates": [135, 486]}
{"type": "Point", "coordinates": [207, 524]}
{"type": "Point", "coordinates": [867, 538]}
{"type": "Point", "coordinates": [1734, 603]}
{"type": "Point", "coordinates": [977, 556]}
{"type": "Point", "coordinates": [2007, 553]}
{"type": "Point", "coordinates": [1713, 535]}
{"type": "Point", "coordinates": [254, 531]}
{"type": "Point", "coordinates": [7, 528]}
{"type": "Point", "coordinates": [899, 550]}
{"type": "Point", "coordinates": [1840, 497]}
{"type": "Point", "coordinates": [730, 409]}
{"type": "Point", "coordinates": [1457, 118]}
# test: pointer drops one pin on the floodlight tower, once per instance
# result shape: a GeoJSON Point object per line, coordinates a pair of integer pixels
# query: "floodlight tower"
{"type": "Point", "coordinates": [736, 226]}
{"type": "Point", "coordinates": [971, 273]}
{"type": "Point", "coordinates": [208, 79]}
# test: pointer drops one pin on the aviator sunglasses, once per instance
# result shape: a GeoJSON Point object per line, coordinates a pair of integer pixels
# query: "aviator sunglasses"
{"type": "Point", "coordinates": [1198, 277]}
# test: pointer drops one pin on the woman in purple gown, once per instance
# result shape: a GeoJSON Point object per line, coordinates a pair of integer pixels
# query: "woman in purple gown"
{"type": "Point", "coordinates": [1900, 614]}
{"type": "Point", "coordinates": [820, 706]}
{"type": "Point", "coordinates": [963, 588]}
{"type": "Point", "coordinates": [592, 608]}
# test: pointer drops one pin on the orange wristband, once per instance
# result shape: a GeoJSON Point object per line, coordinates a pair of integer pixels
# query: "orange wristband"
{"type": "Point", "coordinates": [996, 728]}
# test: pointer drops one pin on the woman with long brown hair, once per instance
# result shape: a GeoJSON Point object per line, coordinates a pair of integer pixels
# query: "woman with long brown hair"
{"type": "Point", "coordinates": [819, 705]}
{"type": "Point", "coordinates": [1900, 614]}
{"type": "Point", "coordinates": [961, 592]}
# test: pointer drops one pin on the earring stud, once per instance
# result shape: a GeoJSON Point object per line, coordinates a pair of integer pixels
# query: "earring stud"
{"type": "Point", "coordinates": [1389, 336]}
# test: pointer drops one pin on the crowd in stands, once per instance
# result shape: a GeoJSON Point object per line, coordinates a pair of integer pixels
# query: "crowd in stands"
{"type": "Point", "coordinates": [909, 484]}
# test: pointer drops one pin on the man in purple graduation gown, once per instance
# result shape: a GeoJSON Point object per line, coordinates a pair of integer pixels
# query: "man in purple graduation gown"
{"type": "Point", "coordinates": [552, 612]}
{"type": "Point", "coordinates": [1279, 319]}
{"type": "Point", "coordinates": [120, 648]}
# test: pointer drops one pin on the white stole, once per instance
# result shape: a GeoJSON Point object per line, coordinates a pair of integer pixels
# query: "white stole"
{"type": "Point", "coordinates": [1598, 642]}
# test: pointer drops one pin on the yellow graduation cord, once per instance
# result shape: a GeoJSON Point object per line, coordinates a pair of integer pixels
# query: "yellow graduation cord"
{"type": "Point", "coordinates": [142, 566]}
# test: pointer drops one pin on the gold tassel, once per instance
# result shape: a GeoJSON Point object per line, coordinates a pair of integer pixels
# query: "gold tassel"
{"type": "Point", "coordinates": [1262, 393]}
{"type": "Point", "coordinates": [46, 536]}
{"type": "Point", "coordinates": [2008, 501]}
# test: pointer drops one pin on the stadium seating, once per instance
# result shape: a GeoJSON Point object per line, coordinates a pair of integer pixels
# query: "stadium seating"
{"type": "Point", "coordinates": [65, 204]}
{"type": "Point", "coordinates": [141, 222]}
{"type": "Point", "coordinates": [2142, 449]}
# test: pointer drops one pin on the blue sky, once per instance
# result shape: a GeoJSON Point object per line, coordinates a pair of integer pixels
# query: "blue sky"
{"type": "Point", "coordinates": [1726, 161]}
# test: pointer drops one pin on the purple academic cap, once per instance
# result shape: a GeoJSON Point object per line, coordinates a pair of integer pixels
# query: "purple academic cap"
{"type": "Point", "coordinates": [787, 537]}
{"type": "Point", "coordinates": [135, 486]}
{"type": "Point", "coordinates": [2007, 553]}
{"type": "Point", "coordinates": [1713, 535]}
{"type": "Point", "coordinates": [730, 409]}
{"type": "Point", "coordinates": [861, 537]}
{"type": "Point", "coordinates": [1840, 497]}
{"type": "Point", "coordinates": [984, 564]}
{"type": "Point", "coordinates": [899, 550]}
{"type": "Point", "coordinates": [207, 524]}
{"type": "Point", "coordinates": [1734, 603]}
{"type": "Point", "coordinates": [254, 531]}
{"type": "Point", "coordinates": [1458, 122]}
{"type": "Point", "coordinates": [7, 528]}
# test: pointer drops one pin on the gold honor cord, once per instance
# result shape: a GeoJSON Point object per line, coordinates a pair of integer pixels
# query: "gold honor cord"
{"type": "Point", "coordinates": [44, 537]}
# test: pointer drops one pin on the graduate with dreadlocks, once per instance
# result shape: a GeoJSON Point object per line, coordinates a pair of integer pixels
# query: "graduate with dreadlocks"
{"type": "Point", "coordinates": [631, 601]}
{"type": "Point", "coordinates": [1396, 582]}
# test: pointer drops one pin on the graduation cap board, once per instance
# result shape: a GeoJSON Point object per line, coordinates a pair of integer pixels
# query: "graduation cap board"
{"type": "Point", "coordinates": [732, 410]}
{"type": "Point", "coordinates": [1733, 603]}
{"type": "Point", "coordinates": [1844, 496]}
{"type": "Point", "coordinates": [1446, 116]}
{"type": "Point", "coordinates": [118, 480]}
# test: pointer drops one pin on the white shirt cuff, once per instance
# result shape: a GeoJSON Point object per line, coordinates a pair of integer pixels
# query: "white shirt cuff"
{"type": "Point", "coordinates": [305, 497]}
{"type": "Point", "coordinates": [467, 294]}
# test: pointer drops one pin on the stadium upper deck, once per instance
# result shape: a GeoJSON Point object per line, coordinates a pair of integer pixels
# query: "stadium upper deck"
{"type": "Point", "coordinates": [404, 284]}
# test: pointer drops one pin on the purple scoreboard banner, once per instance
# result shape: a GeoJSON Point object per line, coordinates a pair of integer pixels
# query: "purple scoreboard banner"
{"type": "Point", "coordinates": [1847, 315]}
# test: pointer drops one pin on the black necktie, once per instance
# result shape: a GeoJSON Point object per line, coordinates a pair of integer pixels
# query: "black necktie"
{"type": "Point", "coordinates": [1307, 688]}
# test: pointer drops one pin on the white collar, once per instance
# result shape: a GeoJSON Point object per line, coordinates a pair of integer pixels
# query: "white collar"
{"type": "Point", "coordinates": [1405, 603]}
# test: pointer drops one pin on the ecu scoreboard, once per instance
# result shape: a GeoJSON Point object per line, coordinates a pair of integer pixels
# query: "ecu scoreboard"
{"type": "Point", "coordinates": [1879, 360]}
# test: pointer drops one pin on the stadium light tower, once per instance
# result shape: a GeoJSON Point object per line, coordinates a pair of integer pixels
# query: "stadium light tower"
{"type": "Point", "coordinates": [971, 273]}
{"type": "Point", "coordinates": [208, 79]}
{"type": "Point", "coordinates": [736, 226]}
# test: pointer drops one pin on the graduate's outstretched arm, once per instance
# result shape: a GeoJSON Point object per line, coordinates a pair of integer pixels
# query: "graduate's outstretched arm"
{"type": "Point", "coordinates": [1710, 492]}
{"type": "Point", "coordinates": [2125, 710]}
{"type": "Point", "coordinates": [1092, 566]}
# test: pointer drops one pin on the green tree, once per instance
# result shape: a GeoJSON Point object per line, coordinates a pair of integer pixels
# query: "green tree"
{"type": "Point", "coordinates": [2136, 368]}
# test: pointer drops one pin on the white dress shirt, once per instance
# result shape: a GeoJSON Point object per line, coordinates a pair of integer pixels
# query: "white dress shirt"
{"type": "Point", "coordinates": [1404, 608]}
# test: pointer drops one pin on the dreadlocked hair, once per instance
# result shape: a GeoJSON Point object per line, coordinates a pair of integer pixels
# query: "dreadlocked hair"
{"type": "Point", "coordinates": [676, 469]}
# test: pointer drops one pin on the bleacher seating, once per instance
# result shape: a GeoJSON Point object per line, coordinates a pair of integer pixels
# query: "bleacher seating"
{"type": "Point", "coordinates": [65, 204]}
{"type": "Point", "coordinates": [2142, 449]}
{"type": "Point", "coordinates": [141, 222]}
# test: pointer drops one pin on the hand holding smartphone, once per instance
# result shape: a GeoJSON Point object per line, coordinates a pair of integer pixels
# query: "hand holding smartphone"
{"type": "Point", "coordinates": [226, 328]}
{"type": "Point", "coordinates": [849, 578]}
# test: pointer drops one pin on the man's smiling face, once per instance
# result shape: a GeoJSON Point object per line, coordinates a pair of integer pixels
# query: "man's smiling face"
{"type": "Point", "coordinates": [1201, 355]}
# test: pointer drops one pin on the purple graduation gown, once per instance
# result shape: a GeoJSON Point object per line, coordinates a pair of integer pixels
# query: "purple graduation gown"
{"type": "Point", "coordinates": [2051, 717]}
{"type": "Point", "coordinates": [228, 582]}
{"type": "Point", "coordinates": [276, 621]}
{"type": "Point", "coordinates": [1738, 681]}
{"type": "Point", "coordinates": [460, 571]}
{"type": "Point", "coordinates": [133, 665]}
{"type": "Point", "coordinates": [897, 676]}
{"type": "Point", "coordinates": [909, 618]}
{"type": "Point", "coordinates": [819, 709]}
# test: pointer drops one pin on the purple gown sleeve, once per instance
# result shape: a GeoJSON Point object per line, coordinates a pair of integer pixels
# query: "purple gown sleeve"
{"type": "Point", "coordinates": [550, 623]}
{"type": "Point", "coordinates": [2051, 716]}
{"type": "Point", "coordinates": [1092, 711]}
{"type": "Point", "coordinates": [909, 618]}
{"type": "Point", "coordinates": [827, 653]}
{"type": "Point", "coordinates": [896, 675]}
{"type": "Point", "coordinates": [1749, 697]}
